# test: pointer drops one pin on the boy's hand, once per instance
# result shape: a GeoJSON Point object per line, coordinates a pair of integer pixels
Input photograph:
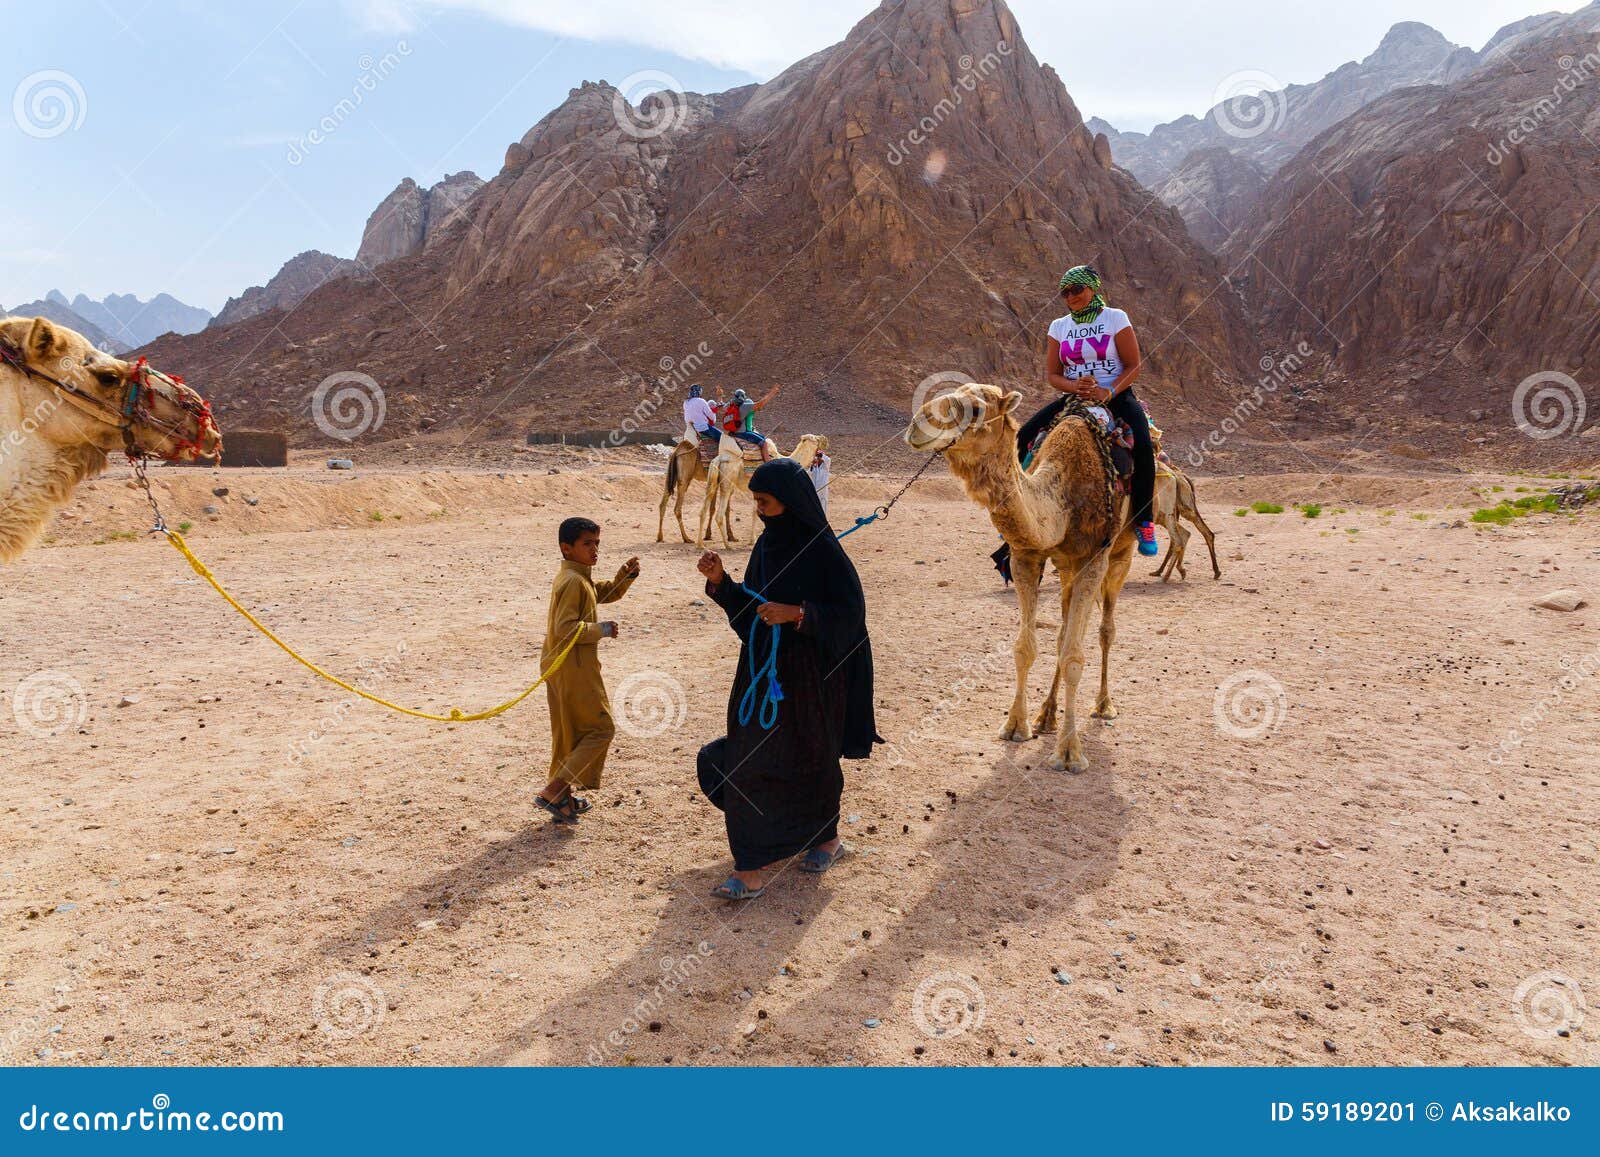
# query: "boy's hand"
{"type": "Point", "coordinates": [631, 567]}
{"type": "Point", "coordinates": [710, 565]}
{"type": "Point", "coordinates": [608, 630]}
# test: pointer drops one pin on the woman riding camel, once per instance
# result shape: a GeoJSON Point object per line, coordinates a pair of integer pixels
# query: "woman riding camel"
{"type": "Point", "coordinates": [1093, 353]}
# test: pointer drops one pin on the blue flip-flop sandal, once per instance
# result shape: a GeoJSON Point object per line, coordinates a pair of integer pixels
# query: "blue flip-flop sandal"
{"type": "Point", "coordinates": [558, 811]}
{"type": "Point", "coordinates": [734, 888]}
{"type": "Point", "coordinates": [817, 861]}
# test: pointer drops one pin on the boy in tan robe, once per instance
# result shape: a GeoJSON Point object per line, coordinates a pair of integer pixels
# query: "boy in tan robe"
{"type": "Point", "coordinates": [580, 714]}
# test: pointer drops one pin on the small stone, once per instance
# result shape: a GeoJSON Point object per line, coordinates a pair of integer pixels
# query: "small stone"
{"type": "Point", "coordinates": [1330, 1046]}
{"type": "Point", "coordinates": [210, 508]}
{"type": "Point", "coordinates": [127, 701]}
{"type": "Point", "coordinates": [252, 502]}
{"type": "Point", "coordinates": [66, 907]}
{"type": "Point", "coordinates": [1562, 600]}
{"type": "Point", "coordinates": [871, 1022]}
{"type": "Point", "coordinates": [1324, 844]}
{"type": "Point", "coordinates": [225, 851]}
{"type": "Point", "coordinates": [341, 464]}
{"type": "Point", "coordinates": [220, 492]}
{"type": "Point", "coordinates": [348, 842]}
{"type": "Point", "coordinates": [1063, 978]}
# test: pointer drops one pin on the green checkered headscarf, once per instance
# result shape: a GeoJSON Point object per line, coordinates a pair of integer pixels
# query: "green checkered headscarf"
{"type": "Point", "coordinates": [1084, 276]}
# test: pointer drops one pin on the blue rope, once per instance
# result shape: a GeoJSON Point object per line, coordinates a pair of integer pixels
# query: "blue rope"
{"type": "Point", "coordinates": [860, 522]}
{"type": "Point", "coordinates": [764, 674]}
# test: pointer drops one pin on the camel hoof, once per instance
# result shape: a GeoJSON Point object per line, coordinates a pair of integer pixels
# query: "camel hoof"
{"type": "Point", "coordinates": [1104, 711]}
{"type": "Point", "coordinates": [1015, 733]}
{"type": "Point", "coordinates": [1072, 764]}
{"type": "Point", "coordinates": [1044, 724]}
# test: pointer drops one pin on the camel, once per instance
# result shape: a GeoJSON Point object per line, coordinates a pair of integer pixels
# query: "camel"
{"type": "Point", "coordinates": [1175, 499]}
{"type": "Point", "coordinates": [1056, 511]}
{"type": "Point", "coordinates": [727, 475]}
{"type": "Point", "coordinates": [62, 406]}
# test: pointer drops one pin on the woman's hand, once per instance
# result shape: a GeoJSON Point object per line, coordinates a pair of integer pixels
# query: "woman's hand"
{"type": "Point", "coordinates": [1092, 392]}
{"type": "Point", "coordinates": [778, 613]}
{"type": "Point", "coordinates": [710, 565]}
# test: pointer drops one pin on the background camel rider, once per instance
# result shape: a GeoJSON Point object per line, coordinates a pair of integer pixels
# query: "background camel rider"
{"type": "Point", "coordinates": [739, 417]}
{"type": "Point", "coordinates": [700, 415]}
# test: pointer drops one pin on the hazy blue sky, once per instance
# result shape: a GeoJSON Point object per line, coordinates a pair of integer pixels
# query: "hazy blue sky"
{"type": "Point", "coordinates": [175, 169]}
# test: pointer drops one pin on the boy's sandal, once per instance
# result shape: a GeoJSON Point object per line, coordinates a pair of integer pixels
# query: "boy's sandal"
{"type": "Point", "coordinates": [579, 804]}
{"type": "Point", "coordinates": [734, 888]}
{"type": "Point", "coordinates": [560, 813]}
{"type": "Point", "coordinates": [817, 861]}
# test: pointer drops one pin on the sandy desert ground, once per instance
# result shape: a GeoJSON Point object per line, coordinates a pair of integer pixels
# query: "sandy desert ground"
{"type": "Point", "coordinates": [1312, 836]}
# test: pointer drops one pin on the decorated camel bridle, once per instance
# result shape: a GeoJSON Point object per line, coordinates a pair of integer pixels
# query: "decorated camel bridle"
{"type": "Point", "coordinates": [134, 410]}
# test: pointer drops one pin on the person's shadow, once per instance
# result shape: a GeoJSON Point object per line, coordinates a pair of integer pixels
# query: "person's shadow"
{"type": "Point", "coordinates": [451, 896]}
{"type": "Point", "coordinates": [1019, 850]}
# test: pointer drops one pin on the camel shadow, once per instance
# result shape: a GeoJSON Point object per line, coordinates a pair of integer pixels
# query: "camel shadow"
{"type": "Point", "coordinates": [1017, 853]}
{"type": "Point", "coordinates": [671, 997]}
{"type": "Point", "coordinates": [450, 896]}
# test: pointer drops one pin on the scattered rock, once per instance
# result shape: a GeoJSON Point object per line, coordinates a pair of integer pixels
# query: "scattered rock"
{"type": "Point", "coordinates": [1562, 600]}
{"type": "Point", "coordinates": [127, 701]}
{"type": "Point", "coordinates": [871, 1022]}
{"type": "Point", "coordinates": [210, 509]}
{"type": "Point", "coordinates": [219, 492]}
{"type": "Point", "coordinates": [341, 464]}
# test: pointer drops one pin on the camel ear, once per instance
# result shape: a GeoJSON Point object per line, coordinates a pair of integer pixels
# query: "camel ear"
{"type": "Point", "coordinates": [1012, 400]}
{"type": "Point", "coordinates": [44, 342]}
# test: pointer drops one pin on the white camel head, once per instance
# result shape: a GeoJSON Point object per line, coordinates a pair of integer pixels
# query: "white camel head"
{"type": "Point", "coordinates": [973, 413]}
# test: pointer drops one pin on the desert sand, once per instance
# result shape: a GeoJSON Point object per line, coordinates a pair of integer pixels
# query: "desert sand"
{"type": "Point", "coordinates": [1311, 837]}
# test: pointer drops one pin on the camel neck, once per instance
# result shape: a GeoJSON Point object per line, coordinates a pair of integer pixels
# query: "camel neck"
{"type": "Point", "coordinates": [36, 476]}
{"type": "Point", "coordinates": [995, 479]}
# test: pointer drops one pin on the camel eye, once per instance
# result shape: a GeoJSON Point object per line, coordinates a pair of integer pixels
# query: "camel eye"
{"type": "Point", "coordinates": [107, 377]}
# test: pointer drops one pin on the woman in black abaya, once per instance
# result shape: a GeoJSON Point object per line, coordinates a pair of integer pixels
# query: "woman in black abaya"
{"type": "Point", "coordinates": [779, 786]}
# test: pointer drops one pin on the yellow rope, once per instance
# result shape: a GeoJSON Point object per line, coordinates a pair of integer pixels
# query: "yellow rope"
{"type": "Point", "coordinates": [455, 716]}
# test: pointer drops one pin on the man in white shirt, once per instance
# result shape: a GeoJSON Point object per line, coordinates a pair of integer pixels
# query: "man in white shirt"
{"type": "Point", "coordinates": [819, 477]}
{"type": "Point", "coordinates": [700, 416]}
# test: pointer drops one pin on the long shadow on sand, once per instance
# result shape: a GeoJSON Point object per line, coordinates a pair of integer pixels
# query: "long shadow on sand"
{"type": "Point", "coordinates": [1015, 852]}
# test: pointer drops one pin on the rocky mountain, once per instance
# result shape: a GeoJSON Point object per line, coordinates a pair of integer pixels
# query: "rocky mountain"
{"type": "Point", "coordinates": [1215, 192]}
{"type": "Point", "coordinates": [897, 205]}
{"type": "Point", "coordinates": [54, 307]}
{"type": "Point", "coordinates": [411, 217]}
{"type": "Point", "coordinates": [299, 276]}
{"type": "Point", "coordinates": [1269, 128]}
{"type": "Point", "coordinates": [1439, 246]}
{"type": "Point", "coordinates": [134, 322]}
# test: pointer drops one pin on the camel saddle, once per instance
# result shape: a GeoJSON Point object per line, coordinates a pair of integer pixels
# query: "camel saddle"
{"type": "Point", "coordinates": [708, 451]}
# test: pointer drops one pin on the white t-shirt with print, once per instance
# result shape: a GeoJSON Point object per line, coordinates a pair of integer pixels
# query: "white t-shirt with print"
{"type": "Point", "coordinates": [1089, 349]}
{"type": "Point", "coordinates": [698, 414]}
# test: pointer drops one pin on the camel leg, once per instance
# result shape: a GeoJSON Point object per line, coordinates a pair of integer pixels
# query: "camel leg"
{"type": "Point", "coordinates": [729, 489]}
{"type": "Point", "coordinates": [685, 482]}
{"type": "Point", "coordinates": [1116, 575]}
{"type": "Point", "coordinates": [1045, 722]}
{"type": "Point", "coordinates": [708, 506]}
{"type": "Point", "coordinates": [1174, 561]}
{"type": "Point", "coordinates": [1193, 514]}
{"type": "Point", "coordinates": [1026, 571]}
{"type": "Point", "coordinates": [1077, 600]}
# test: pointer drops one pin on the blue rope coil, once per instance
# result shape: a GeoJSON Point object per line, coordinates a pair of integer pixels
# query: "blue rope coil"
{"type": "Point", "coordinates": [762, 675]}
